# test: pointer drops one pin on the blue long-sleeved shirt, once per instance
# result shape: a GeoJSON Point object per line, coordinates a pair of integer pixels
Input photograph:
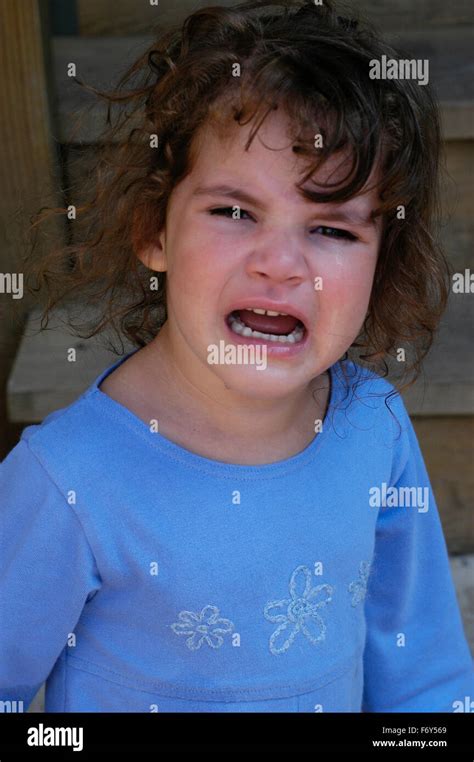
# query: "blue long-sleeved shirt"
{"type": "Point", "coordinates": [137, 576]}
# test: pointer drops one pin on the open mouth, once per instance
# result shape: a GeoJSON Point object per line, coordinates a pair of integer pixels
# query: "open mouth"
{"type": "Point", "coordinates": [267, 325]}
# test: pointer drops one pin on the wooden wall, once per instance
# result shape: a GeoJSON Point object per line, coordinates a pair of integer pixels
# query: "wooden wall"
{"type": "Point", "coordinates": [28, 176]}
{"type": "Point", "coordinates": [130, 17]}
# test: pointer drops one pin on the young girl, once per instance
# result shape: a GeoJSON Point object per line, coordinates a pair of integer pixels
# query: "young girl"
{"type": "Point", "coordinates": [199, 531]}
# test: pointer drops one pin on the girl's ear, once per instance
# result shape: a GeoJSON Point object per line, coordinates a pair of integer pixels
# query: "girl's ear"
{"type": "Point", "coordinates": [153, 255]}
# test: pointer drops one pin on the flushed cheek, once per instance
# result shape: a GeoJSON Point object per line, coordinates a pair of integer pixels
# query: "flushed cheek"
{"type": "Point", "coordinates": [195, 279]}
{"type": "Point", "coordinates": [348, 277]}
{"type": "Point", "coordinates": [192, 262]}
{"type": "Point", "coordinates": [343, 300]}
{"type": "Point", "coordinates": [199, 252]}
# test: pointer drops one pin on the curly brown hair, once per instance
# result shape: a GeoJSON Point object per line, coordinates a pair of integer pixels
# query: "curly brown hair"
{"type": "Point", "coordinates": [315, 63]}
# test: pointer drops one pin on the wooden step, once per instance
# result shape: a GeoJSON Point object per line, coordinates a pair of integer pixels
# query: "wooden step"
{"type": "Point", "coordinates": [42, 379]}
{"type": "Point", "coordinates": [121, 17]}
{"type": "Point", "coordinates": [101, 60]}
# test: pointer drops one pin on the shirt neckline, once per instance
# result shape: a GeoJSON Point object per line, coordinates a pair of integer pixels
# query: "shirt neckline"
{"type": "Point", "coordinates": [189, 458]}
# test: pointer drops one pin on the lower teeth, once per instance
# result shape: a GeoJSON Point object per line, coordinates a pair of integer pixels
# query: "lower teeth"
{"type": "Point", "coordinates": [237, 326]}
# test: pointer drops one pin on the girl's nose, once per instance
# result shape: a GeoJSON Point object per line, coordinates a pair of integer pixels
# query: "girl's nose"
{"type": "Point", "coordinates": [280, 259]}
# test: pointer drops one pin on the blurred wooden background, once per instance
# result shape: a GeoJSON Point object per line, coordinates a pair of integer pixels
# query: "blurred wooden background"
{"type": "Point", "coordinates": [47, 146]}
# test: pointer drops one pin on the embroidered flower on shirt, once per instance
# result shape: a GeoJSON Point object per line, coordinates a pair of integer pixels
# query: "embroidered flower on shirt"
{"type": "Point", "coordinates": [205, 626]}
{"type": "Point", "coordinates": [358, 588]}
{"type": "Point", "coordinates": [299, 612]}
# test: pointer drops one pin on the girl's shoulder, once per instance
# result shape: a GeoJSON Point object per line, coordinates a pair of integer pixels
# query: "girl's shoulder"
{"type": "Point", "coordinates": [65, 441]}
{"type": "Point", "coordinates": [77, 423]}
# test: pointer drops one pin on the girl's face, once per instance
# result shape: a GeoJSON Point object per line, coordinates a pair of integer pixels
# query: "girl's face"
{"type": "Point", "coordinates": [284, 253]}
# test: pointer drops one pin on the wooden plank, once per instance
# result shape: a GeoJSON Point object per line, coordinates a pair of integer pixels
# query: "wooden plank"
{"type": "Point", "coordinates": [457, 182]}
{"type": "Point", "coordinates": [462, 569]}
{"type": "Point", "coordinates": [457, 120]}
{"type": "Point", "coordinates": [134, 17]}
{"type": "Point", "coordinates": [406, 14]}
{"type": "Point", "coordinates": [456, 233]}
{"type": "Point", "coordinates": [43, 380]}
{"type": "Point", "coordinates": [101, 61]}
{"type": "Point", "coordinates": [129, 17]}
{"type": "Point", "coordinates": [27, 168]}
{"type": "Point", "coordinates": [446, 384]}
{"type": "Point", "coordinates": [456, 238]}
{"type": "Point", "coordinates": [447, 445]}
{"type": "Point", "coordinates": [449, 51]}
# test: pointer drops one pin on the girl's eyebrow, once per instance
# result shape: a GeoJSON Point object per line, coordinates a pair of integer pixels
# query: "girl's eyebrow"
{"type": "Point", "coordinates": [333, 214]}
{"type": "Point", "coordinates": [227, 190]}
{"type": "Point", "coordinates": [352, 217]}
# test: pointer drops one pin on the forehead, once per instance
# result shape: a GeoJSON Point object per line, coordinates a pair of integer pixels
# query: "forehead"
{"type": "Point", "coordinates": [225, 145]}
{"type": "Point", "coordinates": [220, 155]}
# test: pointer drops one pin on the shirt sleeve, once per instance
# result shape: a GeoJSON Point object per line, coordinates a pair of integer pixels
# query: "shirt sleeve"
{"type": "Point", "coordinates": [416, 657]}
{"type": "Point", "coordinates": [47, 573]}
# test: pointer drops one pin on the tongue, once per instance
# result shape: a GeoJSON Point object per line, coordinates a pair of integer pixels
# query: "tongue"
{"type": "Point", "coordinates": [281, 325]}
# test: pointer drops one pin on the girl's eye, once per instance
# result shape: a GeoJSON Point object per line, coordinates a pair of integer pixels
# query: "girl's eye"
{"type": "Point", "coordinates": [230, 212]}
{"type": "Point", "coordinates": [335, 233]}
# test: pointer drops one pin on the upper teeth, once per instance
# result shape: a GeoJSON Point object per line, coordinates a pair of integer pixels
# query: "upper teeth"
{"type": "Point", "coordinates": [270, 313]}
